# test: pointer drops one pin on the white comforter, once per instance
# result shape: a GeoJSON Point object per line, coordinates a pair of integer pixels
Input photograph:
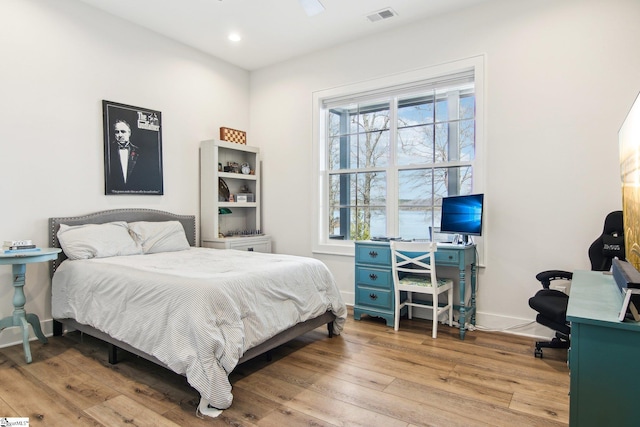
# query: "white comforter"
{"type": "Point", "coordinates": [198, 310]}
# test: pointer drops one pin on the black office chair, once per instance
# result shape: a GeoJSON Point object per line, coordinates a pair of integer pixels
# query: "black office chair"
{"type": "Point", "coordinates": [551, 304]}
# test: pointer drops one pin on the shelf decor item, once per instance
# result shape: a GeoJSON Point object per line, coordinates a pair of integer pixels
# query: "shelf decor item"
{"type": "Point", "coordinates": [223, 191]}
{"type": "Point", "coordinates": [222, 211]}
{"type": "Point", "coordinates": [233, 135]}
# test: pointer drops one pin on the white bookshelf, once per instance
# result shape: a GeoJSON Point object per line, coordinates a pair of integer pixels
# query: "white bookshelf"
{"type": "Point", "coordinates": [240, 229]}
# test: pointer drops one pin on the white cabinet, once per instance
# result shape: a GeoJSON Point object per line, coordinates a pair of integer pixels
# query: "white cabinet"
{"type": "Point", "coordinates": [249, 243]}
{"type": "Point", "coordinates": [230, 221]}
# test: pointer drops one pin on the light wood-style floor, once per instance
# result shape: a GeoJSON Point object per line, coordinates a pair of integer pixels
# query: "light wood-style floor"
{"type": "Point", "coordinates": [368, 376]}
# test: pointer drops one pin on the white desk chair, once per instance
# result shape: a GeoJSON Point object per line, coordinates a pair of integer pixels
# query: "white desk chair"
{"type": "Point", "coordinates": [413, 267]}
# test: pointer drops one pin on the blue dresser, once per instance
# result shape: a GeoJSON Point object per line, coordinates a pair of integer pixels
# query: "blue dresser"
{"type": "Point", "coordinates": [374, 283]}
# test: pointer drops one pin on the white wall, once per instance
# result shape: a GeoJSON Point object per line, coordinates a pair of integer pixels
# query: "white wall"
{"type": "Point", "coordinates": [60, 59]}
{"type": "Point", "coordinates": [560, 78]}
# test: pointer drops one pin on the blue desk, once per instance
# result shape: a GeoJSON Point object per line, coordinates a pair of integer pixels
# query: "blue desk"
{"type": "Point", "coordinates": [604, 356]}
{"type": "Point", "coordinates": [20, 318]}
{"type": "Point", "coordinates": [374, 283]}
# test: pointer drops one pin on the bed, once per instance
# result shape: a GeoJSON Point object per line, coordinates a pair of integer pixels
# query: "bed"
{"type": "Point", "coordinates": [196, 311]}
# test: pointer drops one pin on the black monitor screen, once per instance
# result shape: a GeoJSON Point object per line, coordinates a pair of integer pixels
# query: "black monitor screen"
{"type": "Point", "coordinates": [462, 214]}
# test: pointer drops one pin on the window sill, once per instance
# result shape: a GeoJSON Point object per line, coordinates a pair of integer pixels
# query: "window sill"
{"type": "Point", "coordinates": [343, 249]}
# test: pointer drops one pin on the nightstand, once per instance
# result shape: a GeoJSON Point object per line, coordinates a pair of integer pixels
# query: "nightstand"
{"type": "Point", "coordinates": [20, 318]}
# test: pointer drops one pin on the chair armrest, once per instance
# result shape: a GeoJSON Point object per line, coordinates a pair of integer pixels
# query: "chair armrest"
{"type": "Point", "coordinates": [546, 277]}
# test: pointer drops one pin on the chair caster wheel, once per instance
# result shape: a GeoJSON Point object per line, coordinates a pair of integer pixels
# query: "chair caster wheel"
{"type": "Point", "coordinates": [538, 353]}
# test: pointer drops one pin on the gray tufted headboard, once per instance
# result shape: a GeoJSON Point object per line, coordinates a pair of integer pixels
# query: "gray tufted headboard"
{"type": "Point", "coordinates": [128, 215]}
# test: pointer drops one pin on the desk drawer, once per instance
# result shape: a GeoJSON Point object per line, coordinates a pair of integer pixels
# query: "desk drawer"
{"type": "Point", "coordinates": [373, 254]}
{"type": "Point", "coordinates": [373, 277]}
{"type": "Point", "coordinates": [374, 298]}
{"type": "Point", "coordinates": [448, 257]}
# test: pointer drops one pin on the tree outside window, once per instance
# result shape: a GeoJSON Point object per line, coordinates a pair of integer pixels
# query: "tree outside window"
{"type": "Point", "coordinates": [390, 161]}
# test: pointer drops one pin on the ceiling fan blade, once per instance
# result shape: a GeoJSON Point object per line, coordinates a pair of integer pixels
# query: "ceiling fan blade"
{"type": "Point", "coordinates": [311, 7]}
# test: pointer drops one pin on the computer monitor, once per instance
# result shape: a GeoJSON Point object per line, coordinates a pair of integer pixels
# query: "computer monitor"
{"type": "Point", "coordinates": [462, 215]}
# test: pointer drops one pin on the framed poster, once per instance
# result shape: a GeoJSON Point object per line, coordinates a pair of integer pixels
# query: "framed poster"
{"type": "Point", "coordinates": [132, 150]}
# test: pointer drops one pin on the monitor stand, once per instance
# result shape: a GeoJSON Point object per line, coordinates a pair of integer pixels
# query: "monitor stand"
{"type": "Point", "coordinates": [463, 239]}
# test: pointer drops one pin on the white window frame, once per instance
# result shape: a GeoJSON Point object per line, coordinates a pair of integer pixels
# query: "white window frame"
{"type": "Point", "coordinates": [320, 211]}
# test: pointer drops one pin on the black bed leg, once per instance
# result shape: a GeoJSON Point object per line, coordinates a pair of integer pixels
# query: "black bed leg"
{"type": "Point", "coordinates": [330, 328]}
{"type": "Point", "coordinates": [113, 354]}
{"type": "Point", "coordinates": [57, 329]}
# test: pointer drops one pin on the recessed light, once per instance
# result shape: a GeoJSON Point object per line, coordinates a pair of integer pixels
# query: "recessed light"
{"type": "Point", "coordinates": [312, 7]}
{"type": "Point", "coordinates": [235, 37]}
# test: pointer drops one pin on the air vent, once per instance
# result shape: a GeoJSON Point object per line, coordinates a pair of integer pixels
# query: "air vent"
{"type": "Point", "coordinates": [381, 14]}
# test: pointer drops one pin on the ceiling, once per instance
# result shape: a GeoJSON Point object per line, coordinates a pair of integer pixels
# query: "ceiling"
{"type": "Point", "coordinates": [272, 30]}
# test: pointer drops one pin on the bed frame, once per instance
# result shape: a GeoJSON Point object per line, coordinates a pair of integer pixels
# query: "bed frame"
{"type": "Point", "coordinates": [189, 224]}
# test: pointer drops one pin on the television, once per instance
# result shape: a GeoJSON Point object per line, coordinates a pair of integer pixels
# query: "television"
{"type": "Point", "coordinates": [462, 216]}
{"type": "Point", "coordinates": [629, 145]}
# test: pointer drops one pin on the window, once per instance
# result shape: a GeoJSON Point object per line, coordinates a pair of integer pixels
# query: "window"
{"type": "Point", "coordinates": [387, 155]}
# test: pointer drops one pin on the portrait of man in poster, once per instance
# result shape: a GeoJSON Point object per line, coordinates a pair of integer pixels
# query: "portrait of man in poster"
{"type": "Point", "coordinates": [132, 150]}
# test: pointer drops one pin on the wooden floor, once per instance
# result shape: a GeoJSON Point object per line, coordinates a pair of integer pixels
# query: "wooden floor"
{"type": "Point", "coordinates": [368, 376]}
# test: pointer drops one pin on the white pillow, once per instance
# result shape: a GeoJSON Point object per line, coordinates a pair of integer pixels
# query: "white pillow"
{"type": "Point", "coordinates": [154, 237]}
{"type": "Point", "coordinates": [97, 240]}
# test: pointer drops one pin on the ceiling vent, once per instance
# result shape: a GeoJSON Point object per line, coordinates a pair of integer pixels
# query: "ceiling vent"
{"type": "Point", "coordinates": [381, 14]}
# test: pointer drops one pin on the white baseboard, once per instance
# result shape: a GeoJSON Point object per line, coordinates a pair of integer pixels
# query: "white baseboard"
{"type": "Point", "coordinates": [13, 335]}
{"type": "Point", "coordinates": [484, 321]}
{"type": "Point", "coordinates": [497, 323]}
{"type": "Point", "coordinates": [349, 298]}
{"type": "Point", "coordinates": [513, 325]}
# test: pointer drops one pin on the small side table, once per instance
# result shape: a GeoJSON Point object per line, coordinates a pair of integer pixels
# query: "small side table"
{"type": "Point", "coordinates": [20, 318]}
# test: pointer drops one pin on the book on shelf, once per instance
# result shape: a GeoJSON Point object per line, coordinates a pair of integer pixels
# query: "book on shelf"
{"type": "Point", "coordinates": [17, 243]}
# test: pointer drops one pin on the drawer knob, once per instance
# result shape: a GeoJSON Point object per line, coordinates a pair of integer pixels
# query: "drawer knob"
{"type": "Point", "coordinates": [373, 276]}
{"type": "Point", "coordinates": [373, 254]}
{"type": "Point", "coordinates": [373, 296]}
